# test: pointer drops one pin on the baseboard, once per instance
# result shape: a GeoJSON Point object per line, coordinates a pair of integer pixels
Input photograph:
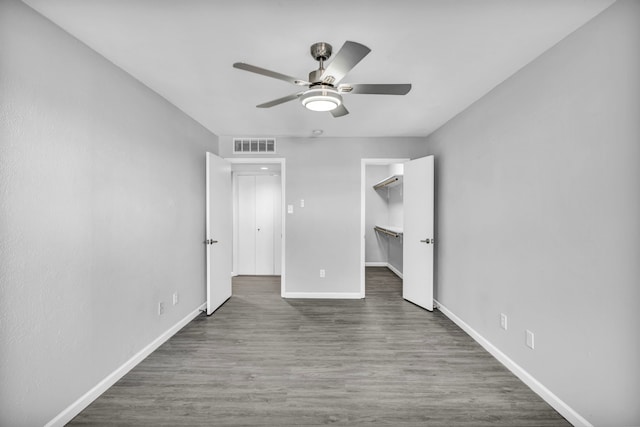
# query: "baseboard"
{"type": "Point", "coordinates": [394, 270]}
{"type": "Point", "coordinates": [559, 405]}
{"type": "Point", "coordinates": [322, 295]}
{"type": "Point", "coordinates": [376, 264]}
{"type": "Point", "coordinates": [384, 264]}
{"type": "Point", "coordinates": [76, 407]}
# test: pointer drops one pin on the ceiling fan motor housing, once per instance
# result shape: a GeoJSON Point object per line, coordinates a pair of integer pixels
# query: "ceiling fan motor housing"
{"type": "Point", "coordinates": [321, 51]}
{"type": "Point", "coordinates": [315, 75]}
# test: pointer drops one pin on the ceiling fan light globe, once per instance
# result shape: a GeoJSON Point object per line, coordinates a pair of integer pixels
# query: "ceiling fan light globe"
{"type": "Point", "coordinates": [321, 99]}
{"type": "Point", "coordinates": [321, 104]}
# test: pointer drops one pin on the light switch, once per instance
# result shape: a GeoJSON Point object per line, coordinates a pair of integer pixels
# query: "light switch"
{"type": "Point", "coordinates": [290, 209]}
{"type": "Point", "coordinates": [302, 203]}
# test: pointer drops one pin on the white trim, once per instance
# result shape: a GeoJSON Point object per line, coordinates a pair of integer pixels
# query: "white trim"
{"type": "Point", "coordinates": [283, 209]}
{"type": "Point", "coordinates": [384, 264]}
{"type": "Point", "coordinates": [559, 405]}
{"type": "Point", "coordinates": [363, 170]}
{"type": "Point", "coordinates": [395, 270]}
{"type": "Point", "coordinates": [323, 295]}
{"type": "Point", "coordinates": [85, 400]}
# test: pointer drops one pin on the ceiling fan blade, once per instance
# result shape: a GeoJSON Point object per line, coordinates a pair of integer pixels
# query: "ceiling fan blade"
{"type": "Point", "coordinates": [280, 100]}
{"type": "Point", "coordinates": [340, 111]}
{"type": "Point", "coordinates": [269, 73]}
{"type": "Point", "coordinates": [376, 89]}
{"type": "Point", "coordinates": [348, 57]}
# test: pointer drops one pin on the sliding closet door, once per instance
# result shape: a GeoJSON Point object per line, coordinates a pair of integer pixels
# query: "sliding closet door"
{"type": "Point", "coordinates": [259, 224]}
{"type": "Point", "coordinates": [266, 190]}
{"type": "Point", "coordinates": [246, 224]}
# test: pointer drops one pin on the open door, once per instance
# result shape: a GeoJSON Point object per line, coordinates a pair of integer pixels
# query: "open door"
{"type": "Point", "coordinates": [417, 283]}
{"type": "Point", "coordinates": [219, 232]}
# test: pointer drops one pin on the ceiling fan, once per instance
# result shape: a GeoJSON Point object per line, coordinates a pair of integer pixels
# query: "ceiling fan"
{"type": "Point", "coordinates": [324, 91]}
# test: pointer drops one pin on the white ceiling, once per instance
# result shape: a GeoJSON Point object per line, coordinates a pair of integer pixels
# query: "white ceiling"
{"type": "Point", "coordinates": [453, 52]}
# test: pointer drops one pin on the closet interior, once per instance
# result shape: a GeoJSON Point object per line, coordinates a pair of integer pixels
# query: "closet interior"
{"type": "Point", "coordinates": [384, 216]}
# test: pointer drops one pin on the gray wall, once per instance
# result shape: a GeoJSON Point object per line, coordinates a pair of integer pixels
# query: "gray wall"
{"type": "Point", "coordinates": [538, 207]}
{"type": "Point", "coordinates": [101, 216]}
{"type": "Point", "coordinates": [325, 234]}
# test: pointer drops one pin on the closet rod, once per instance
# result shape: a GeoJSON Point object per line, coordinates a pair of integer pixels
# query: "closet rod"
{"type": "Point", "coordinates": [385, 231]}
{"type": "Point", "coordinates": [386, 182]}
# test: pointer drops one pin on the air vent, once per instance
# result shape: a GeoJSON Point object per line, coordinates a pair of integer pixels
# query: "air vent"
{"type": "Point", "coordinates": [254, 145]}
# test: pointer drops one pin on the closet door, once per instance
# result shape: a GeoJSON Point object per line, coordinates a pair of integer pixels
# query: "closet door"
{"type": "Point", "coordinates": [266, 191]}
{"type": "Point", "coordinates": [246, 224]}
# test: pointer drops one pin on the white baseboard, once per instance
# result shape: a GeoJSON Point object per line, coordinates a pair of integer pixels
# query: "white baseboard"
{"type": "Point", "coordinates": [376, 264]}
{"type": "Point", "coordinates": [76, 407]}
{"type": "Point", "coordinates": [323, 295]}
{"type": "Point", "coordinates": [394, 270]}
{"type": "Point", "coordinates": [384, 264]}
{"type": "Point", "coordinates": [559, 405]}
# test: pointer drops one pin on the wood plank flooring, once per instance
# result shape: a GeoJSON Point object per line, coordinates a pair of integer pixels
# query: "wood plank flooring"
{"type": "Point", "coordinates": [261, 360]}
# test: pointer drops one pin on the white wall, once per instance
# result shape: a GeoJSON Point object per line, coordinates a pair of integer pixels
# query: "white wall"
{"type": "Point", "coordinates": [538, 207]}
{"type": "Point", "coordinates": [325, 234]}
{"type": "Point", "coordinates": [101, 216]}
{"type": "Point", "coordinates": [376, 245]}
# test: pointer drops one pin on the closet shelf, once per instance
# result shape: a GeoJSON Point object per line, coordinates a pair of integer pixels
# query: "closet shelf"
{"type": "Point", "coordinates": [389, 230]}
{"type": "Point", "coordinates": [391, 181]}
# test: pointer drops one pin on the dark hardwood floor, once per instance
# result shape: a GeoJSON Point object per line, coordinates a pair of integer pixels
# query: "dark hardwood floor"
{"type": "Point", "coordinates": [261, 360]}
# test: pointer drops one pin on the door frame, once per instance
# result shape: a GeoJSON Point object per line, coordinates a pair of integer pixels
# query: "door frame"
{"type": "Point", "coordinates": [363, 208]}
{"type": "Point", "coordinates": [283, 211]}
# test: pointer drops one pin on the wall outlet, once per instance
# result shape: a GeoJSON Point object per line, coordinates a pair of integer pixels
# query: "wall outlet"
{"type": "Point", "coordinates": [322, 273]}
{"type": "Point", "coordinates": [503, 321]}
{"type": "Point", "coordinates": [302, 203]}
{"type": "Point", "coordinates": [175, 298]}
{"type": "Point", "coordinates": [529, 339]}
{"type": "Point", "coordinates": [160, 308]}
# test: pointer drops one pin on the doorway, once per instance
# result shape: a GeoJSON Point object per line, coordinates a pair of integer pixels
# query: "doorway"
{"type": "Point", "coordinates": [382, 216]}
{"type": "Point", "coordinates": [258, 220]}
{"type": "Point", "coordinates": [397, 209]}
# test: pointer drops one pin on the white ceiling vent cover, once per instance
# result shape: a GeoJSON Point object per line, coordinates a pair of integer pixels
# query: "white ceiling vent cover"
{"type": "Point", "coordinates": [254, 145]}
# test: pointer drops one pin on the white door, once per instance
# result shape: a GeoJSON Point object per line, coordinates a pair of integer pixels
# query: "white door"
{"type": "Point", "coordinates": [266, 187]}
{"type": "Point", "coordinates": [417, 242]}
{"type": "Point", "coordinates": [246, 217]}
{"type": "Point", "coordinates": [258, 219]}
{"type": "Point", "coordinates": [219, 231]}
